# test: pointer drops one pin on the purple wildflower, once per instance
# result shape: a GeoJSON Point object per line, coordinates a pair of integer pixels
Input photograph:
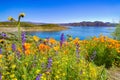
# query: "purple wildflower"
{"type": "Point", "coordinates": [49, 62]}
{"type": "Point", "coordinates": [23, 37]}
{"type": "Point", "coordinates": [0, 76]}
{"type": "Point", "coordinates": [3, 35]}
{"type": "Point", "coordinates": [47, 38]}
{"type": "Point", "coordinates": [0, 51]}
{"type": "Point", "coordinates": [23, 40]}
{"type": "Point", "coordinates": [18, 55]}
{"type": "Point", "coordinates": [13, 47]}
{"type": "Point", "coordinates": [38, 77]}
{"type": "Point", "coordinates": [61, 39]}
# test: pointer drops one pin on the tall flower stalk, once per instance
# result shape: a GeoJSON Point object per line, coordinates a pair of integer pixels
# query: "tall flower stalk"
{"type": "Point", "coordinates": [62, 39]}
{"type": "Point", "coordinates": [21, 15]}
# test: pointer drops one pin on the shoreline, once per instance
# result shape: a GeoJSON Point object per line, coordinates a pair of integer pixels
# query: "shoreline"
{"type": "Point", "coordinates": [31, 29]}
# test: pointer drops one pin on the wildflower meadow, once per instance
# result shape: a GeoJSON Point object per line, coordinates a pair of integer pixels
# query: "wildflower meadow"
{"type": "Point", "coordinates": [25, 57]}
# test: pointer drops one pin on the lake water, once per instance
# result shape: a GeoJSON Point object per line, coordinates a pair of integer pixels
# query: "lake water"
{"type": "Point", "coordinates": [81, 32]}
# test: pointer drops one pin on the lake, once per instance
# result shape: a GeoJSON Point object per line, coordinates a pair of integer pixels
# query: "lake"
{"type": "Point", "coordinates": [79, 31]}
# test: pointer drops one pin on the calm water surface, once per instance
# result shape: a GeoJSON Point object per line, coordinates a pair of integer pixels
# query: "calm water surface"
{"type": "Point", "coordinates": [81, 32]}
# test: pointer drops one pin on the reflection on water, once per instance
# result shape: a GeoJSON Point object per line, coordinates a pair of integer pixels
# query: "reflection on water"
{"type": "Point", "coordinates": [81, 32]}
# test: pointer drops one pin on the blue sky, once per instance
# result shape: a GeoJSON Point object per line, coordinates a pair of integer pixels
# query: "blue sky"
{"type": "Point", "coordinates": [61, 11]}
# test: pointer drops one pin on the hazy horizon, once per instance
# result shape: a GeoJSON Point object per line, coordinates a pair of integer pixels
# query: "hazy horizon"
{"type": "Point", "coordinates": [62, 11]}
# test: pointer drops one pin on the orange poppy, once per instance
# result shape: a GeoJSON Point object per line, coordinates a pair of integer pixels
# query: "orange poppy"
{"type": "Point", "coordinates": [27, 46]}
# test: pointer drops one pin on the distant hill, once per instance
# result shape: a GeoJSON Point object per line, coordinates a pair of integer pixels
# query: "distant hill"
{"type": "Point", "coordinates": [88, 23]}
{"type": "Point", "coordinates": [13, 24]}
{"type": "Point", "coordinates": [27, 24]}
{"type": "Point", "coordinates": [36, 24]}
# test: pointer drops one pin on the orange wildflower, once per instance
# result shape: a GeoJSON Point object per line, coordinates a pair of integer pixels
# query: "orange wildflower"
{"type": "Point", "coordinates": [27, 46]}
{"type": "Point", "coordinates": [85, 41]}
{"type": "Point", "coordinates": [66, 52]}
{"type": "Point", "coordinates": [110, 46]}
{"type": "Point", "coordinates": [1, 55]}
{"type": "Point", "coordinates": [117, 45]}
{"type": "Point", "coordinates": [20, 50]}
{"type": "Point", "coordinates": [95, 39]}
{"type": "Point", "coordinates": [43, 47]}
{"type": "Point", "coordinates": [118, 50]}
{"type": "Point", "coordinates": [76, 40]}
{"type": "Point", "coordinates": [66, 43]}
{"type": "Point", "coordinates": [52, 41]}
{"type": "Point", "coordinates": [27, 52]}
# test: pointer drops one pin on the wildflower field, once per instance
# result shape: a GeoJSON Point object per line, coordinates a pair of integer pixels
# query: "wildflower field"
{"type": "Point", "coordinates": [34, 58]}
{"type": "Point", "coordinates": [25, 57]}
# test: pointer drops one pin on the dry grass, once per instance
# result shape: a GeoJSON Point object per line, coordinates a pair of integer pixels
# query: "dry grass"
{"type": "Point", "coordinates": [114, 74]}
{"type": "Point", "coordinates": [14, 29]}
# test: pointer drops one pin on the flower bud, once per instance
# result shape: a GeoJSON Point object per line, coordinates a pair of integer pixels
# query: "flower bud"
{"type": "Point", "coordinates": [22, 15]}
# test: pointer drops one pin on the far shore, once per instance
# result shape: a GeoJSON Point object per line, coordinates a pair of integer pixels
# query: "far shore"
{"type": "Point", "coordinates": [31, 29]}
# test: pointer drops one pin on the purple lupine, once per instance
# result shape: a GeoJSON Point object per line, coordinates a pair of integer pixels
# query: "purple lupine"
{"type": "Point", "coordinates": [18, 55]}
{"type": "Point", "coordinates": [23, 40]}
{"type": "Point", "coordinates": [23, 37]}
{"type": "Point", "coordinates": [13, 47]}
{"type": "Point", "coordinates": [0, 76]}
{"type": "Point", "coordinates": [61, 39]}
{"type": "Point", "coordinates": [49, 62]}
{"type": "Point", "coordinates": [0, 51]}
{"type": "Point", "coordinates": [38, 77]}
{"type": "Point", "coordinates": [3, 35]}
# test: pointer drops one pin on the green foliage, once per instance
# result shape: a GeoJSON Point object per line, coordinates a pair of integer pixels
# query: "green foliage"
{"type": "Point", "coordinates": [106, 51]}
{"type": "Point", "coordinates": [116, 33]}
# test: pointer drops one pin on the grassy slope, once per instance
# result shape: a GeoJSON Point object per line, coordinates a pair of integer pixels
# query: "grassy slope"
{"type": "Point", "coordinates": [5, 26]}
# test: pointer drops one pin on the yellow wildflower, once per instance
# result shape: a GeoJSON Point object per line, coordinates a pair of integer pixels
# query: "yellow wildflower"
{"type": "Point", "coordinates": [63, 74]}
{"type": "Point", "coordinates": [57, 77]}
{"type": "Point", "coordinates": [8, 73]}
{"type": "Point", "coordinates": [37, 71]}
{"type": "Point", "coordinates": [56, 48]}
{"type": "Point", "coordinates": [20, 50]}
{"type": "Point", "coordinates": [75, 41]}
{"type": "Point", "coordinates": [1, 55]}
{"type": "Point", "coordinates": [1, 40]}
{"type": "Point", "coordinates": [47, 72]}
{"type": "Point", "coordinates": [14, 79]}
{"type": "Point", "coordinates": [21, 14]}
{"type": "Point", "coordinates": [13, 66]}
{"type": "Point", "coordinates": [118, 50]}
{"type": "Point", "coordinates": [66, 52]}
{"type": "Point", "coordinates": [52, 41]}
{"type": "Point", "coordinates": [12, 75]}
{"type": "Point", "coordinates": [43, 77]}
{"type": "Point", "coordinates": [70, 38]}
{"type": "Point", "coordinates": [3, 77]}
{"type": "Point", "coordinates": [23, 76]}
{"type": "Point", "coordinates": [36, 38]}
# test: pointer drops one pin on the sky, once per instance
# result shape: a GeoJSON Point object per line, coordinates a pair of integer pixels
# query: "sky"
{"type": "Point", "coordinates": [61, 11]}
